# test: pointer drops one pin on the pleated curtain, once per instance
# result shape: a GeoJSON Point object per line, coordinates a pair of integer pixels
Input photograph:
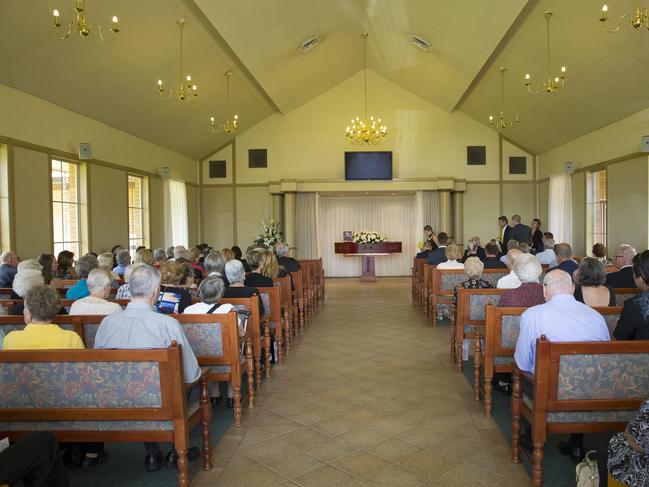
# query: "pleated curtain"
{"type": "Point", "coordinates": [176, 228]}
{"type": "Point", "coordinates": [560, 207]}
{"type": "Point", "coordinates": [392, 216]}
{"type": "Point", "coordinates": [306, 225]}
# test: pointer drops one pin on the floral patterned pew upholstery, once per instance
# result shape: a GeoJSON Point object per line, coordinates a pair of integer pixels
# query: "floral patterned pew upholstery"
{"type": "Point", "coordinates": [622, 294]}
{"type": "Point", "coordinates": [103, 395]}
{"type": "Point", "coordinates": [579, 387]}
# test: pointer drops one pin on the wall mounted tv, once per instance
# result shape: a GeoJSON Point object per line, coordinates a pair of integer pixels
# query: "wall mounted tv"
{"type": "Point", "coordinates": [368, 166]}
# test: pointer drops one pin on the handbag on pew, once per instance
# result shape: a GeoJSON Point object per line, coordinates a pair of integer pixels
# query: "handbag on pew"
{"type": "Point", "coordinates": [587, 473]}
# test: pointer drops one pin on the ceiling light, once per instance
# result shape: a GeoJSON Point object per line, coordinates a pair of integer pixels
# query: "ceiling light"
{"type": "Point", "coordinates": [186, 89]}
{"type": "Point", "coordinates": [640, 19]}
{"type": "Point", "coordinates": [502, 122]}
{"type": "Point", "coordinates": [368, 130]}
{"type": "Point", "coordinates": [81, 26]}
{"type": "Point", "coordinates": [231, 123]}
{"type": "Point", "coordinates": [551, 85]}
{"type": "Point", "coordinates": [309, 44]}
{"type": "Point", "coordinates": [417, 41]}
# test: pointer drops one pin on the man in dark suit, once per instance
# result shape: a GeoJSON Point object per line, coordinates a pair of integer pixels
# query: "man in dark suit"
{"type": "Point", "coordinates": [503, 232]}
{"type": "Point", "coordinates": [519, 232]}
{"type": "Point", "coordinates": [624, 262]}
{"type": "Point", "coordinates": [491, 261]}
{"type": "Point", "coordinates": [438, 255]}
{"type": "Point", "coordinates": [564, 259]}
{"type": "Point", "coordinates": [288, 263]}
{"type": "Point", "coordinates": [428, 247]}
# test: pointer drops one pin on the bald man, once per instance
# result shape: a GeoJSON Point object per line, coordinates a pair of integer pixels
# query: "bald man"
{"type": "Point", "coordinates": [624, 262]}
{"type": "Point", "coordinates": [8, 264]}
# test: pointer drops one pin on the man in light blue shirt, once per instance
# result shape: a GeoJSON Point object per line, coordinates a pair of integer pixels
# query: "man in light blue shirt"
{"type": "Point", "coordinates": [547, 257]}
{"type": "Point", "coordinates": [139, 327]}
{"type": "Point", "coordinates": [561, 319]}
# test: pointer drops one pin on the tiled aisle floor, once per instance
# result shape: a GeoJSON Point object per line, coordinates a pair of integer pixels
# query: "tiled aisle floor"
{"type": "Point", "coordinates": [366, 397]}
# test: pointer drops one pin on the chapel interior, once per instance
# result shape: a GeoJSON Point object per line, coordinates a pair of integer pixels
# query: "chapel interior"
{"type": "Point", "coordinates": [181, 122]}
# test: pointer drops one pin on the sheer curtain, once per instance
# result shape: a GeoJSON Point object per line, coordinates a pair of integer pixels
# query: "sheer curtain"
{"type": "Point", "coordinates": [560, 207]}
{"type": "Point", "coordinates": [176, 232]}
{"type": "Point", "coordinates": [306, 225]}
{"type": "Point", "coordinates": [392, 216]}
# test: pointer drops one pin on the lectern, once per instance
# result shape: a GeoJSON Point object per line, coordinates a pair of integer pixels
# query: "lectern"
{"type": "Point", "coordinates": [367, 252]}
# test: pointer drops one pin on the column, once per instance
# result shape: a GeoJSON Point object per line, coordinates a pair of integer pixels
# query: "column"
{"type": "Point", "coordinates": [289, 222]}
{"type": "Point", "coordinates": [445, 213]}
{"type": "Point", "coordinates": [277, 210]}
{"type": "Point", "coordinates": [458, 217]}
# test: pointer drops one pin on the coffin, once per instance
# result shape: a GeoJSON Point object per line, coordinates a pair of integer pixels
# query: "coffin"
{"type": "Point", "coordinates": [377, 248]}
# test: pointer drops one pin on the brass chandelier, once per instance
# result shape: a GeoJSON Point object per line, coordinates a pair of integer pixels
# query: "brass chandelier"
{"type": "Point", "coordinates": [231, 123]}
{"type": "Point", "coordinates": [366, 131]}
{"type": "Point", "coordinates": [550, 85]}
{"type": "Point", "coordinates": [81, 25]}
{"type": "Point", "coordinates": [502, 122]}
{"type": "Point", "coordinates": [186, 90]}
{"type": "Point", "coordinates": [637, 20]}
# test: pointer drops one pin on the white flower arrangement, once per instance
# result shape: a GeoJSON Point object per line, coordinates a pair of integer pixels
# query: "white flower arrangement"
{"type": "Point", "coordinates": [368, 237]}
{"type": "Point", "coordinates": [270, 234]}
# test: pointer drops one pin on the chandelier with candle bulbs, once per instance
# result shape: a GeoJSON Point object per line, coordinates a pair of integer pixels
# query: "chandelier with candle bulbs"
{"type": "Point", "coordinates": [550, 85]}
{"type": "Point", "coordinates": [186, 89]}
{"type": "Point", "coordinates": [367, 130]}
{"type": "Point", "coordinates": [81, 25]}
{"type": "Point", "coordinates": [638, 20]}
{"type": "Point", "coordinates": [231, 123]}
{"type": "Point", "coordinates": [501, 122]}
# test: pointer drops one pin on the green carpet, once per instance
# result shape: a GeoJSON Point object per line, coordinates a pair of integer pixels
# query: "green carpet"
{"type": "Point", "coordinates": [125, 464]}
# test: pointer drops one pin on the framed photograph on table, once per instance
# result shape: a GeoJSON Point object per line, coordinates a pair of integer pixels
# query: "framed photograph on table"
{"type": "Point", "coordinates": [347, 236]}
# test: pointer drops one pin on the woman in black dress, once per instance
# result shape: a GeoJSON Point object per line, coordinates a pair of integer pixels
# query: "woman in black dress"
{"type": "Point", "coordinates": [634, 319]}
{"type": "Point", "coordinates": [537, 236]}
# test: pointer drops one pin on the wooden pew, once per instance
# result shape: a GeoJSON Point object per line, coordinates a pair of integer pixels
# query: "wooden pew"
{"type": "Point", "coordinates": [298, 300]}
{"type": "Point", "coordinates": [578, 387]}
{"type": "Point", "coordinates": [496, 343]}
{"type": "Point", "coordinates": [622, 294]}
{"type": "Point", "coordinates": [273, 319]}
{"type": "Point", "coordinates": [128, 395]}
{"type": "Point", "coordinates": [286, 299]}
{"type": "Point", "coordinates": [470, 315]}
{"type": "Point", "coordinates": [444, 281]}
{"type": "Point", "coordinates": [217, 345]}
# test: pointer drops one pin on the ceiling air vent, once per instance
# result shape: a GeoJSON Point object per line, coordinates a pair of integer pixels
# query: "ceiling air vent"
{"type": "Point", "coordinates": [417, 41]}
{"type": "Point", "coordinates": [309, 44]}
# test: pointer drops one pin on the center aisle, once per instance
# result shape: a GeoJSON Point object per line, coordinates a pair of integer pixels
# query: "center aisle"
{"type": "Point", "coordinates": [366, 397]}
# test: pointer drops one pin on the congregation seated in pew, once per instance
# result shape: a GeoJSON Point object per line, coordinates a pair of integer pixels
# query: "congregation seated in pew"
{"type": "Point", "coordinates": [85, 264]}
{"type": "Point", "coordinates": [99, 284]}
{"type": "Point", "coordinates": [491, 260]}
{"type": "Point", "coordinates": [590, 284]}
{"type": "Point", "coordinates": [623, 260]}
{"type": "Point", "coordinates": [453, 254]}
{"type": "Point", "coordinates": [530, 292]}
{"type": "Point", "coordinates": [511, 280]}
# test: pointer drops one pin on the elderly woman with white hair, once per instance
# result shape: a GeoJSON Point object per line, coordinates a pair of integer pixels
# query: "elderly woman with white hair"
{"type": "Point", "coordinates": [99, 284]}
{"type": "Point", "coordinates": [530, 292]}
{"type": "Point", "coordinates": [236, 274]}
{"type": "Point", "coordinates": [23, 282]}
{"type": "Point", "coordinates": [473, 268]}
{"type": "Point", "coordinates": [123, 258]}
{"type": "Point", "coordinates": [123, 291]}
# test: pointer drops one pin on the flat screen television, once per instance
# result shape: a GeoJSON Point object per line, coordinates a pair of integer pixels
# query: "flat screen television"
{"type": "Point", "coordinates": [368, 166]}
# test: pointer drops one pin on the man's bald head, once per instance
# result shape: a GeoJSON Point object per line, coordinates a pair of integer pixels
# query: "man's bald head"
{"type": "Point", "coordinates": [512, 255]}
{"type": "Point", "coordinates": [557, 282]}
{"type": "Point", "coordinates": [563, 252]}
{"type": "Point", "coordinates": [624, 255]}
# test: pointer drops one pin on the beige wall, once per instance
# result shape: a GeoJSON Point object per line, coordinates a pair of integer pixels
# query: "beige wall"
{"type": "Point", "coordinates": [108, 208]}
{"type": "Point", "coordinates": [628, 203]}
{"type": "Point", "coordinates": [481, 211]}
{"type": "Point", "coordinates": [579, 214]}
{"type": "Point", "coordinates": [518, 199]}
{"type": "Point", "coordinates": [253, 204]}
{"type": "Point", "coordinates": [217, 216]}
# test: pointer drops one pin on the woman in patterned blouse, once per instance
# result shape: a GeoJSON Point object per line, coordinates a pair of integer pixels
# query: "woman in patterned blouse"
{"type": "Point", "coordinates": [473, 268]}
{"type": "Point", "coordinates": [628, 452]}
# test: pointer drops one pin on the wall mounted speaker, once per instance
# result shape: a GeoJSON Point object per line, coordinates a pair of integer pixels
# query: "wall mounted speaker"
{"type": "Point", "coordinates": [165, 172]}
{"type": "Point", "coordinates": [569, 167]}
{"type": "Point", "coordinates": [644, 143]}
{"type": "Point", "coordinates": [85, 151]}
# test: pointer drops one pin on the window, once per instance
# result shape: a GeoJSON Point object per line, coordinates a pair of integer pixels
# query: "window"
{"type": "Point", "coordinates": [66, 213]}
{"type": "Point", "coordinates": [5, 242]}
{"type": "Point", "coordinates": [596, 208]}
{"type": "Point", "coordinates": [137, 213]}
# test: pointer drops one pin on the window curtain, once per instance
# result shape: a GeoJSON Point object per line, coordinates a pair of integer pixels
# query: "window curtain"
{"type": "Point", "coordinates": [392, 216]}
{"type": "Point", "coordinates": [560, 207]}
{"type": "Point", "coordinates": [176, 229]}
{"type": "Point", "coordinates": [306, 225]}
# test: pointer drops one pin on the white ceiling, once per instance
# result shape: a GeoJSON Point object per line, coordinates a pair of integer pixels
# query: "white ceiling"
{"type": "Point", "coordinates": [257, 40]}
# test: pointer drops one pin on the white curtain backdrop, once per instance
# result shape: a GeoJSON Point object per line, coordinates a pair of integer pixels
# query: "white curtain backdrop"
{"type": "Point", "coordinates": [560, 207]}
{"type": "Point", "coordinates": [392, 216]}
{"type": "Point", "coordinates": [176, 232]}
{"type": "Point", "coordinates": [306, 225]}
{"type": "Point", "coordinates": [427, 213]}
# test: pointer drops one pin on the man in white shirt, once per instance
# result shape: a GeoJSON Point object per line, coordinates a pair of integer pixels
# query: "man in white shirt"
{"type": "Point", "coordinates": [511, 280]}
{"type": "Point", "coordinates": [99, 284]}
{"type": "Point", "coordinates": [547, 257]}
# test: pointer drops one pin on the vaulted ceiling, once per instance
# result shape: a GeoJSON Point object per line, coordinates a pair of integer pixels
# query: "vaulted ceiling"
{"type": "Point", "coordinates": [258, 41]}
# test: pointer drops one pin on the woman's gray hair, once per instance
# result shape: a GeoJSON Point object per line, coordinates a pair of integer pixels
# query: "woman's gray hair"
{"type": "Point", "coordinates": [85, 264]}
{"type": "Point", "coordinates": [214, 262]}
{"type": "Point", "coordinates": [105, 261]}
{"type": "Point", "coordinates": [29, 264]}
{"type": "Point", "coordinates": [43, 302]}
{"type": "Point", "coordinates": [234, 271]}
{"type": "Point", "coordinates": [211, 289]}
{"type": "Point", "coordinates": [183, 254]}
{"type": "Point", "coordinates": [527, 268]}
{"type": "Point", "coordinates": [123, 257]}
{"type": "Point", "coordinates": [98, 280]}
{"type": "Point", "coordinates": [25, 280]}
{"type": "Point", "coordinates": [130, 268]}
{"type": "Point", "coordinates": [159, 255]}
{"type": "Point", "coordinates": [144, 281]}
{"type": "Point", "coordinates": [281, 249]}
{"type": "Point", "coordinates": [473, 267]}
